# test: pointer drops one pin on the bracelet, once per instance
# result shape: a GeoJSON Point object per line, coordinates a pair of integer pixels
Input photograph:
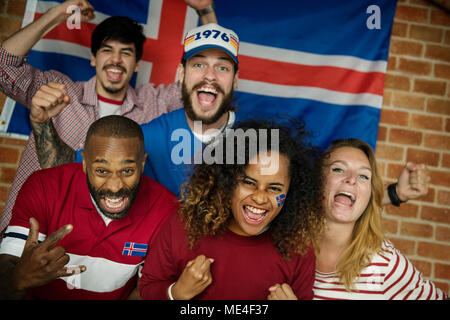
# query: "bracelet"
{"type": "Point", "coordinates": [393, 196]}
{"type": "Point", "coordinates": [206, 10]}
{"type": "Point", "coordinates": [169, 291]}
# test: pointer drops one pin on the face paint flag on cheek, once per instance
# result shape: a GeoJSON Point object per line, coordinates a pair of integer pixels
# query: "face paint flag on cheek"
{"type": "Point", "coordinates": [280, 199]}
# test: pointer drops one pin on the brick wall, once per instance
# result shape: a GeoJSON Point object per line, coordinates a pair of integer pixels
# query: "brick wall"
{"type": "Point", "coordinates": [414, 126]}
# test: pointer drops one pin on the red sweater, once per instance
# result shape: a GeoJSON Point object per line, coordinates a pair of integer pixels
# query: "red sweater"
{"type": "Point", "coordinates": [244, 267]}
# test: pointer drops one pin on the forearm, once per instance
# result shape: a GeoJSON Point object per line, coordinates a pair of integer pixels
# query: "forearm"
{"type": "Point", "coordinates": [21, 42]}
{"type": "Point", "coordinates": [50, 148]}
{"type": "Point", "coordinates": [209, 18]}
{"type": "Point", "coordinates": [386, 199]}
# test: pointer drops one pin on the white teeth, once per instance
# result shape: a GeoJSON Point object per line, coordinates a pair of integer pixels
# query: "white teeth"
{"type": "Point", "coordinates": [114, 70]}
{"type": "Point", "coordinates": [255, 210]}
{"type": "Point", "coordinates": [207, 89]}
{"type": "Point", "coordinates": [114, 203]}
{"type": "Point", "coordinates": [350, 195]}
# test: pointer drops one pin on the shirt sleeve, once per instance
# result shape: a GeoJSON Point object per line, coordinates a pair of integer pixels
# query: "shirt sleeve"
{"type": "Point", "coordinates": [160, 269]}
{"type": "Point", "coordinates": [163, 98]}
{"type": "Point", "coordinates": [20, 81]}
{"type": "Point", "coordinates": [404, 282]}
{"type": "Point", "coordinates": [30, 203]}
{"type": "Point", "coordinates": [305, 274]}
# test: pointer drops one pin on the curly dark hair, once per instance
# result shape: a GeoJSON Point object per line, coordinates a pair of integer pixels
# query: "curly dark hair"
{"type": "Point", "coordinates": [206, 199]}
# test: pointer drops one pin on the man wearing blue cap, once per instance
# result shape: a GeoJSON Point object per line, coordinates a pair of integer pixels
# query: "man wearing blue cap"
{"type": "Point", "coordinates": [208, 74]}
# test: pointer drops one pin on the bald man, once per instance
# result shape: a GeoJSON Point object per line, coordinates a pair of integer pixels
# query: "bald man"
{"type": "Point", "coordinates": [81, 231]}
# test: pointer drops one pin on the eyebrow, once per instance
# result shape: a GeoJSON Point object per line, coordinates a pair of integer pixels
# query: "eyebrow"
{"type": "Point", "coordinates": [225, 57]}
{"type": "Point", "coordinates": [122, 49]}
{"type": "Point", "coordinates": [344, 163]}
{"type": "Point", "coordinates": [104, 161]}
{"type": "Point", "coordinates": [272, 183]}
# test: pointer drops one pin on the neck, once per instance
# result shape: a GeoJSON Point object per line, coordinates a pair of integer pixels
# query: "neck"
{"type": "Point", "coordinates": [335, 239]}
{"type": "Point", "coordinates": [117, 96]}
{"type": "Point", "coordinates": [204, 127]}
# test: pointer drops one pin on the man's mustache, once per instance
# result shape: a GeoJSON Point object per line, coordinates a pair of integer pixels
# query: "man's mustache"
{"type": "Point", "coordinates": [203, 83]}
{"type": "Point", "coordinates": [124, 192]}
{"type": "Point", "coordinates": [116, 66]}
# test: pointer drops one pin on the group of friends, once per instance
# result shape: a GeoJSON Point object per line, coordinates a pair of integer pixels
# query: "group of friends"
{"type": "Point", "coordinates": [100, 209]}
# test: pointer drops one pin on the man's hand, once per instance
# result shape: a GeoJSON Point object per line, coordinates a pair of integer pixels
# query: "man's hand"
{"type": "Point", "coordinates": [198, 4]}
{"type": "Point", "coordinates": [195, 277]}
{"type": "Point", "coordinates": [48, 101]}
{"type": "Point", "coordinates": [44, 262]}
{"type": "Point", "coordinates": [64, 11]}
{"type": "Point", "coordinates": [413, 181]}
{"type": "Point", "coordinates": [281, 292]}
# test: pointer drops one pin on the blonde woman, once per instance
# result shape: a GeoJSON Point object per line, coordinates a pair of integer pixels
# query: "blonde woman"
{"type": "Point", "coordinates": [353, 260]}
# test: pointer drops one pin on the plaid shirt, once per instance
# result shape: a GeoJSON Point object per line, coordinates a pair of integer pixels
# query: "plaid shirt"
{"type": "Point", "coordinates": [20, 81]}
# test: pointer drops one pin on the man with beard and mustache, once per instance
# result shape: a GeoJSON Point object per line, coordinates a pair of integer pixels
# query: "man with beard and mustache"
{"type": "Point", "coordinates": [101, 214]}
{"type": "Point", "coordinates": [209, 74]}
{"type": "Point", "coordinates": [116, 50]}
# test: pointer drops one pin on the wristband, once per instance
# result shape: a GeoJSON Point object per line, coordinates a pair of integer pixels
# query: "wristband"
{"type": "Point", "coordinates": [169, 291]}
{"type": "Point", "coordinates": [206, 10]}
{"type": "Point", "coordinates": [393, 196]}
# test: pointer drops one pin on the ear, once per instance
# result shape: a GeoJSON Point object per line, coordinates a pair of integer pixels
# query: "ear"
{"type": "Point", "coordinates": [143, 160]}
{"type": "Point", "coordinates": [93, 60]}
{"type": "Point", "coordinates": [84, 162]}
{"type": "Point", "coordinates": [180, 73]}
{"type": "Point", "coordinates": [236, 80]}
{"type": "Point", "coordinates": [136, 68]}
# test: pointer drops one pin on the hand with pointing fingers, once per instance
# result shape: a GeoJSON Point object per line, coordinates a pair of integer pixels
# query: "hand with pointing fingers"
{"type": "Point", "coordinates": [48, 102]}
{"type": "Point", "coordinates": [195, 277]}
{"type": "Point", "coordinates": [43, 262]}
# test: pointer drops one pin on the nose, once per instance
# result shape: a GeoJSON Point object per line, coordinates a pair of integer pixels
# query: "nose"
{"type": "Point", "coordinates": [116, 56]}
{"type": "Point", "coordinates": [114, 183]}
{"type": "Point", "coordinates": [210, 74]}
{"type": "Point", "coordinates": [259, 196]}
{"type": "Point", "coordinates": [350, 178]}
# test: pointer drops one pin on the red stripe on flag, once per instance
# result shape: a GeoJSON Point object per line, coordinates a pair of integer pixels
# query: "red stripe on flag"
{"type": "Point", "coordinates": [331, 78]}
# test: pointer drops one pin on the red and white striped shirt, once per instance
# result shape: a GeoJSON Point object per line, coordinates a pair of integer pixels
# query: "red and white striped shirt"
{"type": "Point", "coordinates": [20, 81]}
{"type": "Point", "coordinates": [390, 275]}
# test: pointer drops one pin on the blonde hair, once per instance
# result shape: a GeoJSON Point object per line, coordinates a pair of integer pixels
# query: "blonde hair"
{"type": "Point", "coordinates": [367, 234]}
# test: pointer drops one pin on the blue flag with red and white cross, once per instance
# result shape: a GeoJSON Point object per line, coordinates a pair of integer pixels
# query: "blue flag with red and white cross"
{"type": "Point", "coordinates": [134, 249]}
{"type": "Point", "coordinates": [320, 61]}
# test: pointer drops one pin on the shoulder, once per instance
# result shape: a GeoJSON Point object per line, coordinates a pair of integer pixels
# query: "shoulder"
{"type": "Point", "coordinates": [157, 190]}
{"type": "Point", "coordinates": [165, 124]}
{"type": "Point", "coordinates": [63, 172]}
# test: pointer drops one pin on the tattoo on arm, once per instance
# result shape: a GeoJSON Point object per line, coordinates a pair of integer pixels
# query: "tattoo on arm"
{"type": "Point", "coordinates": [50, 148]}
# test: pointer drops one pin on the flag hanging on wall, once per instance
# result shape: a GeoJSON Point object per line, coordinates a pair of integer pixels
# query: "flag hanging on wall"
{"type": "Point", "coordinates": [320, 61]}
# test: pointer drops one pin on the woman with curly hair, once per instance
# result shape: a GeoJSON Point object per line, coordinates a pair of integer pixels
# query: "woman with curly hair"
{"type": "Point", "coordinates": [243, 231]}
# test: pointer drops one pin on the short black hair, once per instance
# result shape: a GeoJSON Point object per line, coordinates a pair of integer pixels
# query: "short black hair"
{"type": "Point", "coordinates": [122, 29]}
{"type": "Point", "coordinates": [116, 127]}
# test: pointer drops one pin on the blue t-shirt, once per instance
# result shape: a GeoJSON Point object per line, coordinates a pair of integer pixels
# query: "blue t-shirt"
{"type": "Point", "coordinates": [172, 149]}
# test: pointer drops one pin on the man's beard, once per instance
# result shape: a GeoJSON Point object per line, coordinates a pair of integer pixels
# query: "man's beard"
{"type": "Point", "coordinates": [113, 90]}
{"type": "Point", "coordinates": [224, 107]}
{"type": "Point", "coordinates": [131, 193]}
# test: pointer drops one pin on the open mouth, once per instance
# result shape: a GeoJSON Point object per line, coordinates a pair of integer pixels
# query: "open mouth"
{"type": "Point", "coordinates": [345, 199]}
{"type": "Point", "coordinates": [114, 204]}
{"type": "Point", "coordinates": [254, 215]}
{"type": "Point", "coordinates": [207, 96]}
{"type": "Point", "coordinates": [114, 74]}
